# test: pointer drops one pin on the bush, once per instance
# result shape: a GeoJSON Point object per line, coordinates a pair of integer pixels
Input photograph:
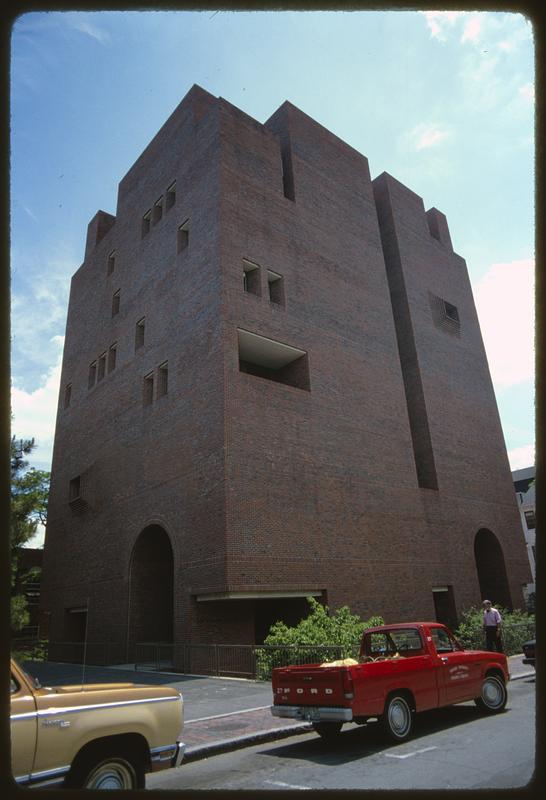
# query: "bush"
{"type": "Point", "coordinates": [517, 627]}
{"type": "Point", "coordinates": [321, 636]}
{"type": "Point", "coordinates": [29, 651]}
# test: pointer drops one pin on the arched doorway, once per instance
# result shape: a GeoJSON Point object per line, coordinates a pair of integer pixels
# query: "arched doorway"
{"type": "Point", "coordinates": [491, 568]}
{"type": "Point", "coordinates": [151, 571]}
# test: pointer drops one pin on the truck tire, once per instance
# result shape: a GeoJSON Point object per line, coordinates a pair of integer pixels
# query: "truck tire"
{"type": "Point", "coordinates": [397, 718]}
{"type": "Point", "coordinates": [327, 730]}
{"type": "Point", "coordinates": [494, 695]}
{"type": "Point", "coordinates": [114, 771]}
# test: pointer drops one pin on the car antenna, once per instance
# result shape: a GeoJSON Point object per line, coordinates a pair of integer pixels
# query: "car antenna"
{"type": "Point", "coordinates": [85, 641]}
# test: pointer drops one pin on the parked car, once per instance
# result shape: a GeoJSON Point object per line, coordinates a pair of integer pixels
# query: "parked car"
{"type": "Point", "coordinates": [403, 669]}
{"type": "Point", "coordinates": [529, 652]}
{"type": "Point", "coordinates": [93, 736]}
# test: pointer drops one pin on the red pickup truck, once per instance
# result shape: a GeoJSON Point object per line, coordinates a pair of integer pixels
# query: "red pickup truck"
{"type": "Point", "coordinates": [402, 669]}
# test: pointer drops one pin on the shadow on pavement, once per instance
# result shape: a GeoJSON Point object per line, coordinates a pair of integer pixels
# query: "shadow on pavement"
{"type": "Point", "coordinates": [354, 743]}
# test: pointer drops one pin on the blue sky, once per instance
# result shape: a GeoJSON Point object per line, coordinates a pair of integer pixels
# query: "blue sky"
{"type": "Point", "coordinates": [444, 101]}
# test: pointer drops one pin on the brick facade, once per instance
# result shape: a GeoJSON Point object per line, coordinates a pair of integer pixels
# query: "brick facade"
{"type": "Point", "coordinates": [362, 473]}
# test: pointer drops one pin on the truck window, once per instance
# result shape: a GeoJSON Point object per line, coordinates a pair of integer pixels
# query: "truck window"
{"type": "Point", "coordinates": [404, 641]}
{"type": "Point", "coordinates": [442, 640]}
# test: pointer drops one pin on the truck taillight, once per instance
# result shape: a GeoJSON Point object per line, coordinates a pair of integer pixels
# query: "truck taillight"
{"type": "Point", "coordinates": [348, 689]}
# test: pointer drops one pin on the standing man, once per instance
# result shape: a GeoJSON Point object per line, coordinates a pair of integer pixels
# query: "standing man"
{"type": "Point", "coordinates": [492, 627]}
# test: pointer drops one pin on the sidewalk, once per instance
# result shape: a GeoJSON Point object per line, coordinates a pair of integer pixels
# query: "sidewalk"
{"type": "Point", "coordinates": [207, 736]}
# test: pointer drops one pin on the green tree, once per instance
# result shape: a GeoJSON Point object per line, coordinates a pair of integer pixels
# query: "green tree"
{"type": "Point", "coordinates": [335, 635]}
{"type": "Point", "coordinates": [29, 494]}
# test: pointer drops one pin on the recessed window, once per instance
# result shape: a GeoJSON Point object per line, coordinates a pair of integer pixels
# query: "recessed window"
{"type": "Point", "coordinates": [140, 329]}
{"type": "Point", "coordinates": [74, 489]}
{"type": "Point", "coordinates": [146, 222]}
{"type": "Point", "coordinates": [111, 263]}
{"type": "Point", "coordinates": [67, 394]}
{"type": "Point", "coordinates": [183, 236]}
{"type": "Point", "coordinates": [251, 278]}
{"type": "Point", "coordinates": [115, 302]}
{"type": "Point", "coordinates": [101, 371]}
{"type": "Point", "coordinates": [266, 358]}
{"type": "Point", "coordinates": [162, 379]}
{"type": "Point", "coordinates": [170, 196]}
{"type": "Point", "coordinates": [275, 286]}
{"type": "Point", "coordinates": [112, 354]}
{"type": "Point", "coordinates": [530, 519]}
{"type": "Point", "coordinates": [148, 389]}
{"type": "Point", "coordinates": [92, 375]}
{"type": "Point", "coordinates": [451, 312]}
{"type": "Point", "coordinates": [157, 211]}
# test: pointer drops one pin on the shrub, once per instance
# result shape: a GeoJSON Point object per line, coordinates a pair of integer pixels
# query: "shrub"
{"type": "Point", "coordinates": [321, 636]}
{"type": "Point", "coordinates": [517, 627]}
{"type": "Point", "coordinates": [29, 651]}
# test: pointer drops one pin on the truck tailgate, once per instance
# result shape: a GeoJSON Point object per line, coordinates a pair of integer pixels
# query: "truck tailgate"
{"type": "Point", "coordinates": [310, 685]}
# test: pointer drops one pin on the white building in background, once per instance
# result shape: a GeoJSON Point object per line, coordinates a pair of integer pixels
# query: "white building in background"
{"type": "Point", "coordinates": [525, 491]}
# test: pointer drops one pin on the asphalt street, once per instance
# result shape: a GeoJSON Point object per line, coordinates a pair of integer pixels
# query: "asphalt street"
{"type": "Point", "coordinates": [451, 748]}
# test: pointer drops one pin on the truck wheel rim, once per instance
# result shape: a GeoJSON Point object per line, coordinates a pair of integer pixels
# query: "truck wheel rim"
{"type": "Point", "coordinates": [113, 775]}
{"type": "Point", "coordinates": [493, 693]}
{"type": "Point", "coordinates": [399, 717]}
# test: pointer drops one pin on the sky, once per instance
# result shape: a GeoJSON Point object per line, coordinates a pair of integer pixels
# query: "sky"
{"type": "Point", "coordinates": [443, 101]}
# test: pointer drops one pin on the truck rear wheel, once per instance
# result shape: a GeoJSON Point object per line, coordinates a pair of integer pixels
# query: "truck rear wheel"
{"type": "Point", "coordinates": [397, 719]}
{"type": "Point", "coordinates": [494, 695]}
{"type": "Point", "coordinates": [327, 730]}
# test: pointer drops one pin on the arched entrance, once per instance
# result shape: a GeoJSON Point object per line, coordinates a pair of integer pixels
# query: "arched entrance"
{"type": "Point", "coordinates": [151, 571]}
{"type": "Point", "coordinates": [491, 568]}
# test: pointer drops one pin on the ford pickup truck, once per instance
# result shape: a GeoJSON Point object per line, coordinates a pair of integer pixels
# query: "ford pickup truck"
{"type": "Point", "coordinates": [95, 736]}
{"type": "Point", "coordinates": [402, 669]}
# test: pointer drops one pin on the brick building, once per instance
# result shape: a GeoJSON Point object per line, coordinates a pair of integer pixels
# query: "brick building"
{"type": "Point", "coordinates": [273, 386]}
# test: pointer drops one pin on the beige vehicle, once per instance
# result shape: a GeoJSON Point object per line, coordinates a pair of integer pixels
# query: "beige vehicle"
{"type": "Point", "coordinates": [97, 736]}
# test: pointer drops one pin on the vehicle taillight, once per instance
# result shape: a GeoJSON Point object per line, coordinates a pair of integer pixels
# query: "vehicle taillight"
{"type": "Point", "coordinates": [348, 689]}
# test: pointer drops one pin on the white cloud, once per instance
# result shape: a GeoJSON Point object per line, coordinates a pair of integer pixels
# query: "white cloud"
{"type": "Point", "coordinates": [505, 304]}
{"type": "Point", "coordinates": [439, 21]}
{"type": "Point", "coordinates": [84, 23]}
{"type": "Point", "coordinates": [472, 29]}
{"type": "Point", "coordinates": [521, 457]}
{"type": "Point", "coordinates": [427, 135]}
{"type": "Point", "coordinates": [34, 412]}
{"type": "Point", "coordinates": [528, 91]}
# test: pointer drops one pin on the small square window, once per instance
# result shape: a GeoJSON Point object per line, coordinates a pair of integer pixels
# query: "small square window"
{"type": "Point", "coordinates": [183, 237]}
{"type": "Point", "coordinates": [148, 389]}
{"type": "Point", "coordinates": [140, 329]}
{"type": "Point", "coordinates": [451, 311]}
{"type": "Point", "coordinates": [251, 278]}
{"type": "Point", "coordinates": [275, 285]}
{"type": "Point", "coordinates": [111, 264]}
{"type": "Point", "coordinates": [67, 394]}
{"type": "Point", "coordinates": [115, 302]}
{"type": "Point", "coordinates": [92, 375]}
{"type": "Point", "coordinates": [157, 211]}
{"type": "Point", "coordinates": [112, 354]}
{"type": "Point", "coordinates": [101, 367]}
{"type": "Point", "coordinates": [162, 379]}
{"type": "Point", "coordinates": [146, 222]}
{"type": "Point", "coordinates": [170, 196]}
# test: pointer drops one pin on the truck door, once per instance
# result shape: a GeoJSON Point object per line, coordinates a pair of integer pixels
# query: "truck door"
{"type": "Point", "coordinates": [456, 673]}
{"type": "Point", "coordinates": [24, 724]}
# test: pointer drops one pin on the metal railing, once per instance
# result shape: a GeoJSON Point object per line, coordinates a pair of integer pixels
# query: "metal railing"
{"type": "Point", "coordinates": [242, 660]}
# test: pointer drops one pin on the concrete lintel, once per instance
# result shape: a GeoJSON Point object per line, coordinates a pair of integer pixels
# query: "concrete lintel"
{"type": "Point", "coordinates": [202, 598]}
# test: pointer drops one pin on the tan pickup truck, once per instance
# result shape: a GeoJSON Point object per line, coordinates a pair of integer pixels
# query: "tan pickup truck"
{"type": "Point", "coordinates": [96, 736]}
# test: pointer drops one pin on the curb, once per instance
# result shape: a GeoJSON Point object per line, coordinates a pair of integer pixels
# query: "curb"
{"type": "Point", "coordinates": [225, 745]}
{"type": "Point", "coordinates": [522, 675]}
